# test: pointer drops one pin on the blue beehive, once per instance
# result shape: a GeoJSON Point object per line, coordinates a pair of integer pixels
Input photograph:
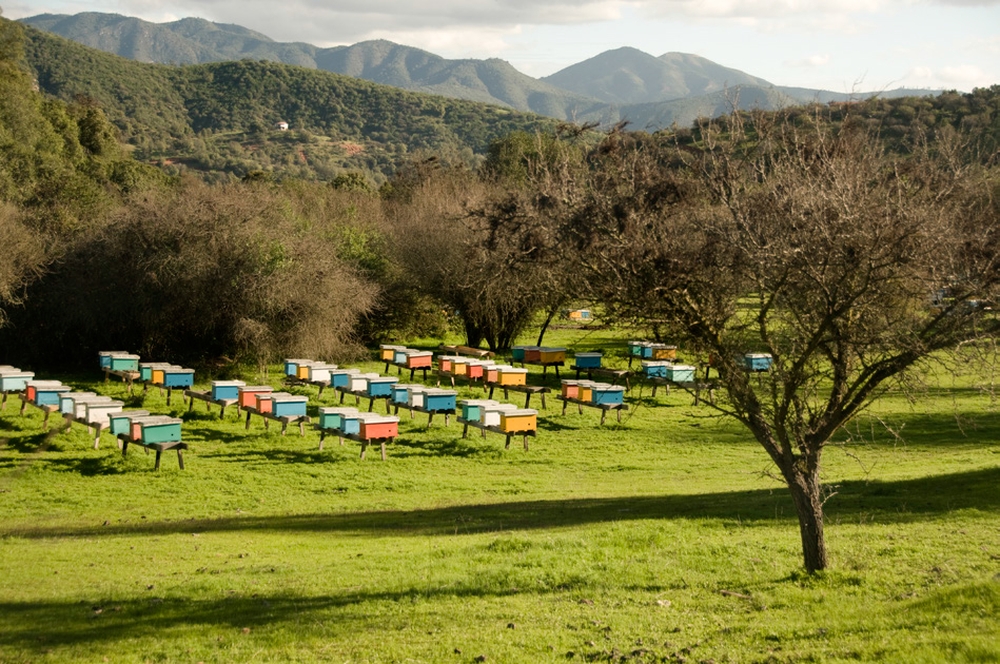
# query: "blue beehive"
{"type": "Point", "coordinates": [15, 381]}
{"type": "Point", "coordinates": [105, 357]}
{"type": "Point", "coordinates": [289, 406]}
{"type": "Point", "coordinates": [67, 401]}
{"type": "Point", "coordinates": [178, 377]}
{"type": "Point", "coordinates": [226, 389]}
{"type": "Point", "coordinates": [680, 373]}
{"type": "Point", "coordinates": [656, 369]}
{"type": "Point", "coordinates": [757, 361]}
{"type": "Point", "coordinates": [342, 377]}
{"type": "Point", "coordinates": [351, 422]}
{"type": "Point", "coordinates": [607, 395]}
{"type": "Point", "coordinates": [124, 362]}
{"type": "Point", "coordinates": [401, 392]}
{"type": "Point", "coordinates": [48, 395]}
{"type": "Point", "coordinates": [333, 418]}
{"type": "Point", "coordinates": [292, 367]}
{"type": "Point", "coordinates": [438, 400]}
{"type": "Point", "coordinates": [380, 386]}
{"type": "Point", "coordinates": [517, 353]}
{"type": "Point", "coordinates": [588, 360]}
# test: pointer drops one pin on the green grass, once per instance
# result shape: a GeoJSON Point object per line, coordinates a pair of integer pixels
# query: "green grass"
{"type": "Point", "coordinates": [660, 539]}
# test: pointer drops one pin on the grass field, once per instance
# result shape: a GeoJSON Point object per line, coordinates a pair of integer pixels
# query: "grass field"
{"type": "Point", "coordinates": [659, 539]}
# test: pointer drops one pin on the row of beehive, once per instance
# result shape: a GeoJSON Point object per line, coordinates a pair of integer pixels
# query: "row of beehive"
{"type": "Point", "coordinates": [588, 391]}
{"type": "Point", "coordinates": [420, 397]}
{"type": "Point", "coordinates": [506, 417]}
{"type": "Point", "coordinates": [538, 354]}
{"type": "Point", "coordinates": [408, 358]}
{"type": "Point", "coordinates": [487, 371]}
{"type": "Point", "coordinates": [161, 374]}
{"type": "Point", "coordinates": [351, 422]}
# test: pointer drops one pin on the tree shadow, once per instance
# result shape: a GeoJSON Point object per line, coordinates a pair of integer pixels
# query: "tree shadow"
{"type": "Point", "coordinates": [889, 502]}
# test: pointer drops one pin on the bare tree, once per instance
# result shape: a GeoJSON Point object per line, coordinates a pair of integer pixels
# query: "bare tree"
{"type": "Point", "coordinates": [846, 264]}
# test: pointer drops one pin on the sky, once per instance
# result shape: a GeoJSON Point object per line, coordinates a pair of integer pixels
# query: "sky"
{"type": "Point", "coordinates": [837, 45]}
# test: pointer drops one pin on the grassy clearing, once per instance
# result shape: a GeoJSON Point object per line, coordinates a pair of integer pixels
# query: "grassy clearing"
{"type": "Point", "coordinates": [660, 539]}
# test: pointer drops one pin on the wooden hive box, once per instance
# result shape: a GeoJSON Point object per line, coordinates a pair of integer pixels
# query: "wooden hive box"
{"type": "Point", "coordinates": [399, 356]}
{"type": "Point", "coordinates": [757, 361]}
{"type": "Point", "coordinates": [475, 369]}
{"type": "Point", "coordinates": [551, 355]}
{"type": "Point", "coordinates": [342, 377]}
{"type": "Point", "coordinates": [512, 376]}
{"type": "Point", "coordinates": [80, 404]}
{"type": "Point", "coordinates": [570, 389]}
{"type": "Point", "coordinates": [47, 395]}
{"type": "Point", "coordinates": [15, 381]}
{"type": "Point", "coordinates": [67, 401]}
{"type": "Point", "coordinates": [247, 394]}
{"type": "Point", "coordinates": [265, 400]}
{"type": "Point", "coordinates": [401, 392]}
{"type": "Point", "coordinates": [492, 372]}
{"type": "Point", "coordinates": [532, 354]}
{"type": "Point", "coordinates": [491, 413]}
{"type": "Point", "coordinates": [387, 352]}
{"type": "Point", "coordinates": [419, 359]}
{"type": "Point", "coordinates": [604, 394]}
{"type": "Point", "coordinates": [289, 406]}
{"type": "Point", "coordinates": [380, 386]}
{"type": "Point", "coordinates": [635, 348]}
{"type": "Point", "coordinates": [320, 372]}
{"type": "Point", "coordinates": [415, 396]}
{"type": "Point", "coordinates": [517, 421]}
{"type": "Point", "coordinates": [105, 357]}
{"type": "Point", "coordinates": [226, 389]}
{"type": "Point", "coordinates": [359, 381]}
{"type": "Point", "coordinates": [121, 422]}
{"type": "Point", "coordinates": [585, 390]}
{"type": "Point", "coordinates": [352, 422]}
{"type": "Point", "coordinates": [384, 426]}
{"type": "Point", "coordinates": [647, 350]}
{"type": "Point", "coordinates": [333, 418]}
{"type": "Point", "coordinates": [587, 360]}
{"type": "Point", "coordinates": [445, 363]}
{"type": "Point", "coordinates": [664, 352]}
{"type": "Point", "coordinates": [156, 429]}
{"type": "Point", "coordinates": [472, 409]}
{"type": "Point", "coordinates": [124, 362]}
{"type": "Point", "coordinates": [680, 373]}
{"type": "Point", "coordinates": [292, 366]}
{"type": "Point", "coordinates": [517, 353]}
{"type": "Point", "coordinates": [178, 377]}
{"type": "Point", "coordinates": [32, 386]}
{"type": "Point", "coordinates": [655, 368]}
{"type": "Point", "coordinates": [437, 400]}
{"type": "Point", "coordinates": [146, 369]}
{"type": "Point", "coordinates": [100, 413]}
{"type": "Point", "coordinates": [459, 365]}
{"type": "Point", "coordinates": [302, 369]}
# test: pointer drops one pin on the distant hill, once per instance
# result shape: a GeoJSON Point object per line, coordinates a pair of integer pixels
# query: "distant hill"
{"type": "Point", "coordinates": [220, 116]}
{"type": "Point", "coordinates": [630, 76]}
{"type": "Point", "coordinates": [625, 83]}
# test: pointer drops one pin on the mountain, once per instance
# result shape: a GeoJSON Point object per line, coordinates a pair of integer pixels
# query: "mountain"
{"type": "Point", "coordinates": [630, 76]}
{"type": "Point", "coordinates": [220, 117]}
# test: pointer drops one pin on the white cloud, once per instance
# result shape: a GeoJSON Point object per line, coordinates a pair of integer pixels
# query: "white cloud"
{"type": "Point", "coordinates": [812, 61]}
{"type": "Point", "coordinates": [959, 77]}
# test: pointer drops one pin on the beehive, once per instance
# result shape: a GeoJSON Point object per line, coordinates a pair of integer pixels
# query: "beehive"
{"type": "Point", "coordinates": [124, 362]}
{"type": "Point", "coordinates": [15, 381]}
{"type": "Point", "coordinates": [512, 376]}
{"type": "Point", "coordinates": [663, 352]}
{"type": "Point", "coordinates": [419, 359]}
{"type": "Point", "coordinates": [80, 404]}
{"type": "Point", "coordinates": [178, 377]}
{"type": "Point", "coordinates": [519, 420]}
{"type": "Point", "coordinates": [635, 348]}
{"type": "Point", "coordinates": [400, 392]}
{"type": "Point", "coordinates": [655, 368]}
{"type": "Point", "coordinates": [551, 355]}
{"type": "Point", "coordinates": [459, 365]}
{"type": "Point", "coordinates": [359, 381]}
{"type": "Point", "coordinates": [288, 405]}
{"type": "Point", "coordinates": [532, 354]}
{"type": "Point", "coordinates": [387, 352]}
{"type": "Point", "coordinates": [380, 386]}
{"type": "Point", "coordinates": [517, 353]}
{"type": "Point", "coordinates": [105, 357]}
{"type": "Point", "coordinates": [472, 409]}
{"type": "Point", "coordinates": [247, 394]}
{"type": "Point", "coordinates": [333, 418]}
{"type": "Point", "coordinates": [121, 422]}
{"type": "Point", "coordinates": [292, 367]}
{"type": "Point", "coordinates": [352, 422]}
{"type": "Point", "coordinates": [67, 401]}
{"type": "Point", "coordinates": [226, 389]}
{"type": "Point", "coordinates": [603, 394]}
{"type": "Point", "coordinates": [570, 389]}
{"type": "Point", "coordinates": [399, 356]}
{"type": "Point", "coordinates": [585, 390]}
{"type": "Point", "coordinates": [680, 373]}
{"type": "Point", "coordinates": [100, 413]}
{"type": "Point", "coordinates": [415, 396]}
{"type": "Point", "coordinates": [439, 400]}
{"type": "Point", "coordinates": [376, 428]}
{"type": "Point", "coordinates": [265, 400]}
{"type": "Point", "coordinates": [587, 360]}
{"type": "Point", "coordinates": [445, 363]}
{"type": "Point", "coordinates": [474, 369]}
{"type": "Point", "coordinates": [490, 415]}
{"type": "Point", "coordinates": [45, 392]}
{"type": "Point", "coordinates": [492, 372]}
{"type": "Point", "coordinates": [146, 369]}
{"type": "Point", "coordinates": [342, 377]}
{"type": "Point", "coordinates": [156, 429]}
{"type": "Point", "coordinates": [319, 372]}
{"type": "Point", "coordinates": [757, 361]}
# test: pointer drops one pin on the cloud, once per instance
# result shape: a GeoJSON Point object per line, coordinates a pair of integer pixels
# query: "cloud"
{"type": "Point", "coordinates": [810, 62]}
{"type": "Point", "coordinates": [959, 77]}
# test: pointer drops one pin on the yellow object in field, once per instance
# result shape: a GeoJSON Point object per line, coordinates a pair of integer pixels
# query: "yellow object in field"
{"type": "Point", "coordinates": [513, 376]}
{"type": "Point", "coordinates": [157, 377]}
{"type": "Point", "coordinates": [517, 421]}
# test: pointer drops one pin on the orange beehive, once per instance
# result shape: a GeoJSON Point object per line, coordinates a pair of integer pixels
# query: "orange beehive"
{"type": "Point", "coordinates": [379, 427]}
{"type": "Point", "coordinates": [248, 394]}
{"type": "Point", "coordinates": [571, 389]}
{"type": "Point", "coordinates": [532, 354]}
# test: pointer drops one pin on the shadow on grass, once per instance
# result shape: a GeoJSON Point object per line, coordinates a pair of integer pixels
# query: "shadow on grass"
{"type": "Point", "coordinates": [887, 502]}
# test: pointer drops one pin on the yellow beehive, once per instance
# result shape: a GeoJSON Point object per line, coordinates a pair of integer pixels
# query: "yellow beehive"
{"type": "Point", "coordinates": [664, 352]}
{"type": "Point", "coordinates": [459, 366]}
{"type": "Point", "coordinates": [513, 376]}
{"type": "Point", "coordinates": [517, 421]}
{"type": "Point", "coordinates": [585, 390]}
{"type": "Point", "coordinates": [157, 378]}
{"type": "Point", "coordinates": [552, 355]}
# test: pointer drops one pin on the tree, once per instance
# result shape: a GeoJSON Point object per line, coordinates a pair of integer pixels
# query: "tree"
{"type": "Point", "coordinates": [806, 242]}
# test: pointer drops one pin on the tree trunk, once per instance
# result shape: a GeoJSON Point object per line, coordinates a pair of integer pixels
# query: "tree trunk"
{"type": "Point", "coordinates": [548, 320]}
{"type": "Point", "coordinates": [473, 334]}
{"type": "Point", "coordinates": [805, 489]}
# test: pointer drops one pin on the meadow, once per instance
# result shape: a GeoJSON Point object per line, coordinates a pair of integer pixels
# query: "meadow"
{"type": "Point", "coordinates": [661, 539]}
